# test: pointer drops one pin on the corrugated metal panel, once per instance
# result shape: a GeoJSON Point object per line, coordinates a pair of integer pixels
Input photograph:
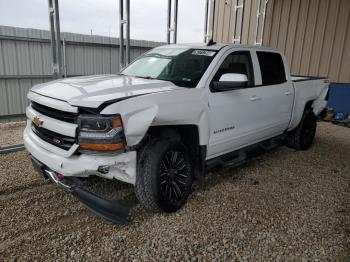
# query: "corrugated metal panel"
{"type": "Point", "coordinates": [219, 19]}
{"type": "Point", "coordinates": [254, 7]}
{"type": "Point", "coordinates": [268, 24]}
{"type": "Point", "coordinates": [13, 99]}
{"type": "Point", "coordinates": [339, 41]}
{"type": "Point", "coordinates": [299, 36]}
{"type": "Point", "coordinates": [246, 20]}
{"type": "Point", "coordinates": [318, 37]}
{"type": "Point", "coordinates": [344, 72]}
{"type": "Point", "coordinates": [25, 60]}
{"type": "Point", "coordinates": [329, 35]}
{"type": "Point", "coordinates": [283, 25]}
{"type": "Point", "coordinates": [315, 36]}
{"type": "Point", "coordinates": [292, 29]}
{"type": "Point", "coordinates": [225, 20]}
{"type": "Point", "coordinates": [3, 98]}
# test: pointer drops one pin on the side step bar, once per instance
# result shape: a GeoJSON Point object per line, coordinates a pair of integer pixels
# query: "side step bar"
{"type": "Point", "coordinates": [240, 156]}
{"type": "Point", "coordinates": [110, 210]}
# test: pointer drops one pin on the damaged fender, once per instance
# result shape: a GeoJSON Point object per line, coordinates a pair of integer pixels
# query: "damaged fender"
{"type": "Point", "coordinates": [137, 125]}
{"type": "Point", "coordinates": [184, 107]}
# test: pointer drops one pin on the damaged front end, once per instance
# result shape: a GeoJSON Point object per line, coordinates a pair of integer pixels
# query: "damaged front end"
{"type": "Point", "coordinates": [110, 210]}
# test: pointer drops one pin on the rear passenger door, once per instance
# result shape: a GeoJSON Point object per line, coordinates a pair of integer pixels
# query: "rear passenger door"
{"type": "Point", "coordinates": [275, 93]}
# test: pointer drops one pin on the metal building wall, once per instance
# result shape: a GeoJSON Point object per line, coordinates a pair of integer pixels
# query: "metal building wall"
{"type": "Point", "coordinates": [225, 21]}
{"type": "Point", "coordinates": [315, 35]}
{"type": "Point", "coordinates": [25, 60]}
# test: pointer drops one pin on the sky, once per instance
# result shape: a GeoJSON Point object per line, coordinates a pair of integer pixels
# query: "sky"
{"type": "Point", "coordinates": [148, 18]}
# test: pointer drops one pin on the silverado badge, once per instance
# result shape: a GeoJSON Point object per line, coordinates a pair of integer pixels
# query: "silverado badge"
{"type": "Point", "coordinates": [37, 121]}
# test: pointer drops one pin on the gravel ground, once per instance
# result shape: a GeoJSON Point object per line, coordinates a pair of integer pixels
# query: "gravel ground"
{"type": "Point", "coordinates": [284, 206]}
{"type": "Point", "coordinates": [11, 133]}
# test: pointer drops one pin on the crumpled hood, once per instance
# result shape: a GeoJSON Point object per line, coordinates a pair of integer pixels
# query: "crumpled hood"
{"type": "Point", "coordinates": [92, 91]}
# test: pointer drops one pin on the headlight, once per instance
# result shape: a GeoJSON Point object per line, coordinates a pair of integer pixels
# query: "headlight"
{"type": "Point", "coordinates": [100, 133]}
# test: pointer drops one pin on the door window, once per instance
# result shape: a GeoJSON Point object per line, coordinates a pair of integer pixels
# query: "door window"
{"type": "Point", "coordinates": [237, 62]}
{"type": "Point", "coordinates": [272, 68]}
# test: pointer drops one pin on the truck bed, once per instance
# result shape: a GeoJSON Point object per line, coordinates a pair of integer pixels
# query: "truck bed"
{"type": "Point", "coordinates": [308, 89]}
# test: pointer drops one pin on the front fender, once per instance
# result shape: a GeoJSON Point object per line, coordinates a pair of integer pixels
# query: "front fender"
{"type": "Point", "coordinates": [181, 107]}
{"type": "Point", "coordinates": [138, 123]}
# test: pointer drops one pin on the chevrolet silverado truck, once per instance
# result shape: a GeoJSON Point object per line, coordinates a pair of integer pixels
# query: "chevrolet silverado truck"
{"type": "Point", "coordinates": [169, 116]}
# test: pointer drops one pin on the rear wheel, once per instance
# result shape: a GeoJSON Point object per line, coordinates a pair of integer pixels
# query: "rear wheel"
{"type": "Point", "coordinates": [164, 176]}
{"type": "Point", "coordinates": [303, 136]}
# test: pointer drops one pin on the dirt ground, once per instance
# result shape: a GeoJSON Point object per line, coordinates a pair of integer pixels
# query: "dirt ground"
{"type": "Point", "coordinates": [11, 133]}
{"type": "Point", "coordinates": [284, 206]}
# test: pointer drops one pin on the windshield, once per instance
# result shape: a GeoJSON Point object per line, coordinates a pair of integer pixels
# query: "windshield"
{"type": "Point", "coordinates": [182, 66]}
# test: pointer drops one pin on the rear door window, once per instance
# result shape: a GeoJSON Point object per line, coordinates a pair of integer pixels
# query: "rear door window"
{"type": "Point", "coordinates": [272, 68]}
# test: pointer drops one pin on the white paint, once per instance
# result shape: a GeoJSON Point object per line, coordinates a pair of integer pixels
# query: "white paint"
{"type": "Point", "coordinates": [122, 166]}
{"type": "Point", "coordinates": [233, 77]}
{"type": "Point", "coordinates": [226, 120]}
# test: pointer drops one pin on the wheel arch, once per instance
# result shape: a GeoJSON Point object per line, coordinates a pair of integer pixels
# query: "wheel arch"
{"type": "Point", "coordinates": [189, 135]}
{"type": "Point", "coordinates": [308, 105]}
{"type": "Point", "coordinates": [298, 113]}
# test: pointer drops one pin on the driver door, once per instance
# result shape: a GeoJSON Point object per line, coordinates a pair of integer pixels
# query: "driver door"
{"type": "Point", "coordinates": [234, 113]}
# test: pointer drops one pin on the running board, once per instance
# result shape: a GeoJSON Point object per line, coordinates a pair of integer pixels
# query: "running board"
{"type": "Point", "coordinates": [240, 156]}
{"type": "Point", "coordinates": [231, 159]}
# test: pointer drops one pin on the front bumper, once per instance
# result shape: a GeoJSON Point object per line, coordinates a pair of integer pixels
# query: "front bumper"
{"type": "Point", "coordinates": [121, 167]}
{"type": "Point", "coordinates": [110, 210]}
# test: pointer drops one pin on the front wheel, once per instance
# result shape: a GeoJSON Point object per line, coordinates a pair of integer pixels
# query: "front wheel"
{"type": "Point", "coordinates": [303, 136]}
{"type": "Point", "coordinates": [164, 175]}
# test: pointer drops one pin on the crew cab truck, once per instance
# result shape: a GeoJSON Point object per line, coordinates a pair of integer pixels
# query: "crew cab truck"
{"type": "Point", "coordinates": [167, 117]}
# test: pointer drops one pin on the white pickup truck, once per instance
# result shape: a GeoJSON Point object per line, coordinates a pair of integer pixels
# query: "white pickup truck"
{"type": "Point", "coordinates": [166, 118]}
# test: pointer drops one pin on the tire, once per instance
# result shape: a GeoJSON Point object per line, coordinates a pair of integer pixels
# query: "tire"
{"type": "Point", "coordinates": [164, 175]}
{"type": "Point", "coordinates": [303, 136]}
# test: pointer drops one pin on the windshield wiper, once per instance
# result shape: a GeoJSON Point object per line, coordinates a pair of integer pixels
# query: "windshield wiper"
{"type": "Point", "coordinates": [145, 77]}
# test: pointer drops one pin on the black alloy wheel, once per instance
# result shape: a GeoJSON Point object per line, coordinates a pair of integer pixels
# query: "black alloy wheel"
{"type": "Point", "coordinates": [164, 175]}
{"type": "Point", "coordinates": [173, 175]}
{"type": "Point", "coordinates": [308, 130]}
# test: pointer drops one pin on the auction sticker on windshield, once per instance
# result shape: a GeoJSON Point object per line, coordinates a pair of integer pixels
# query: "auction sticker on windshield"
{"type": "Point", "coordinates": [203, 52]}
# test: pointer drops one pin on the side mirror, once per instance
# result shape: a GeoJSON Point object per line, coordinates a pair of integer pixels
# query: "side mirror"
{"type": "Point", "coordinates": [230, 81]}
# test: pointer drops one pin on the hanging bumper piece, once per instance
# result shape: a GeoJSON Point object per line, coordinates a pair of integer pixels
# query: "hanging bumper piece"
{"type": "Point", "coordinates": [110, 210]}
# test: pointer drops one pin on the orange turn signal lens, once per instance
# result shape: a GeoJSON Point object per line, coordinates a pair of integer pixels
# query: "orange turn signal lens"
{"type": "Point", "coordinates": [116, 122]}
{"type": "Point", "coordinates": [101, 147]}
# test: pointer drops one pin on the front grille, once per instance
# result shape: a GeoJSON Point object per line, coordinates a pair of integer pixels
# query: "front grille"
{"type": "Point", "coordinates": [61, 141]}
{"type": "Point", "coordinates": [54, 113]}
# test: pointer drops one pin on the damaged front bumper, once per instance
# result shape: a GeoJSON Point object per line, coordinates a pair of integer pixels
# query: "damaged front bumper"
{"type": "Point", "coordinates": [120, 166]}
{"type": "Point", "coordinates": [110, 210]}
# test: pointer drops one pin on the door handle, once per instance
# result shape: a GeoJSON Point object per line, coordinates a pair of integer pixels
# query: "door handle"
{"type": "Point", "coordinates": [287, 93]}
{"type": "Point", "coordinates": [254, 98]}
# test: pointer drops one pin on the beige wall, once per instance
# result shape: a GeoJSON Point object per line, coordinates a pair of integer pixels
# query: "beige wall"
{"type": "Point", "coordinates": [224, 20]}
{"type": "Point", "coordinates": [314, 34]}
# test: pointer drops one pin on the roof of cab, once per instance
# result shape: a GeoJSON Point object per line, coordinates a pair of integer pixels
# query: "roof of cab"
{"type": "Point", "coordinates": [217, 46]}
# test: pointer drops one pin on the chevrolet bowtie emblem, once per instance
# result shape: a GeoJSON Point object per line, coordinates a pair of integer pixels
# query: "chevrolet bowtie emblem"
{"type": "Point", "coordinates": [37, 121]}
